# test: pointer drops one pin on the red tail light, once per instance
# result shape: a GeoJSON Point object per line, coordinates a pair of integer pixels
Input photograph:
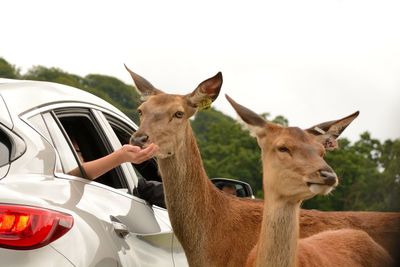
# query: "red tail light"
{"type": "Point", "coordinates": [25, 227]}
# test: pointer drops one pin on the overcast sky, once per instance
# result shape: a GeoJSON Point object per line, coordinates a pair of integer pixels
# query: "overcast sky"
{"type": "Point", "coordinates": [310, 61]}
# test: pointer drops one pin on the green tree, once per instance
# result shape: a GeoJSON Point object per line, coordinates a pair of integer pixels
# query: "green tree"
{"type": "Point", "coordinates": [281, 120]}
{"type": "Point", "coordinates": [369, 176]}
{"type": "Point", "coordinates": [390, 178]}
{"type": "Point", "coordinates": [7, 70]}
{"type": "Point", "coordinates": [41, 73]}
{"type": "Point", "coordinates": [124, 96]}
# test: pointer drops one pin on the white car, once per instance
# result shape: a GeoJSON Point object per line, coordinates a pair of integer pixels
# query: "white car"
{"type": "Point", "coordinates": [50, 218]}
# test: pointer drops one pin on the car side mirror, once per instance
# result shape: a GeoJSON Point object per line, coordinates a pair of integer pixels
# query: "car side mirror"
{"type": "Point", "coordinates": [234, 187]}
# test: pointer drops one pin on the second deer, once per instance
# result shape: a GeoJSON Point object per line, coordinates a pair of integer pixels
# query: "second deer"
{"type": "Point", "coordinates": [294, 170]}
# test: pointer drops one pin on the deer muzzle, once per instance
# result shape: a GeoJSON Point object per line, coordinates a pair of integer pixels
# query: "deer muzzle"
{"type": "Point", "coordinates": [329, 177]}
{"type": "Point", "coordinates": [139, 140]}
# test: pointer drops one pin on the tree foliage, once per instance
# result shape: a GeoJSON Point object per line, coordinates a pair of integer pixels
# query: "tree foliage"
{"type": "Point", "coordinates": [369, 176]}
{"type": "Point", "coordinates": [122, 96]}
{"type": "Point", "coordinates": [7, 70]}
{"type": "Point", "coordinates": [369, 169]}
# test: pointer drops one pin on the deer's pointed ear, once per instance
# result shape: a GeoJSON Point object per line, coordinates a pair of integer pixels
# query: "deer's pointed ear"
{"type": "Point", "coordinates": [143, 87]}
{"type": "Point", "coordinates": [328, 132]}
{"type": "Point", "coordinates": [206, 92]}
{"type": "Point", "coordinates": [254, 121]}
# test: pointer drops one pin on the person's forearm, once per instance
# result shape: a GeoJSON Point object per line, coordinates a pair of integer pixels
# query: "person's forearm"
{"type": "Point", "coordinates": [98, 167]}
{"type": "Point", "coordinates": [127, 153]}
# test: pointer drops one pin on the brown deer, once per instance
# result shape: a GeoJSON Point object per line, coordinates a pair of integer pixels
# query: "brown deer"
{"type": "Point", "coordinates": [216, 229]}
{"type": "Point", "coordinates": [294, 170]}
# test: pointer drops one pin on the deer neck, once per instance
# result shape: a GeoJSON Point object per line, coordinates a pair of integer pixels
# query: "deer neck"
{"type": "Point", "coordinates": [187, 189]}
{"type": "Point", "coordinates": [184, 170]}
{"type": "Point", "coordinates": [279, 232]}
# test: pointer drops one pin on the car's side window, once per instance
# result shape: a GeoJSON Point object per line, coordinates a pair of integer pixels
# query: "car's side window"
{"type": "Point", "coordinates": [147, 169]}
{"type": "Point", "coordinates": [86, 142]}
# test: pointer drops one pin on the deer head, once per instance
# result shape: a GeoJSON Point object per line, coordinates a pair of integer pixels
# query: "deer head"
{"type": "Point", "coordinates": [293, 159]}
{"type": "Point", "coordinates": [164, 118]}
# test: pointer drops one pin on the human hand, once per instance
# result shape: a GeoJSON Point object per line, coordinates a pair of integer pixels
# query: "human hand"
{"type": "Point", "coordinates": [135, 154]}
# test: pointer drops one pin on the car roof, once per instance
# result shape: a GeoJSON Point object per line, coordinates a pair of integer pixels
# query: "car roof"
{"type": "Point", "coordinates": [21, 96]}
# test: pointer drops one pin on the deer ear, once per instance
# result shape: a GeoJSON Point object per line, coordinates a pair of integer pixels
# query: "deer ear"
{"type": "Point", "coordinates": [143, 87]}
{"type": "Point", "coordinates": [328, 132]}
{"type": "Point", "coordinates": [206, 92]}
{"type": "Point", "coordinates": [254, 121]}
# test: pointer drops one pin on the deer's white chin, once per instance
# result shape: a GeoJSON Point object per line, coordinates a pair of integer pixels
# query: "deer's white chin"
{"type": "Point", "coordinates": [320, 189]}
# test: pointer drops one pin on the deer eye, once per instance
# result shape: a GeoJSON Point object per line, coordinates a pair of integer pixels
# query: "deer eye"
{"type": "Point", "coordinates": [139, 112]}
{"type": "Point", "coordinates": [179, 114]}
{"type": "Point", "coordinates": [283, 149]}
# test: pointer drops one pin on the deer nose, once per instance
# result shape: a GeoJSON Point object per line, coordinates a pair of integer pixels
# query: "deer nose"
{"type": "Point", "coordinates": [138, 139]}
{"type": "Point", "coordinates": [329, 177]}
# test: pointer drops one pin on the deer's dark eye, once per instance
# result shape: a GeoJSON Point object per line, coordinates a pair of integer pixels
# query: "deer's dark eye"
{"type": "Point", "coordinates": [139, 112]}
{"type": "Point", "coordinates": [179, 114]}
{"type": "Point", "coordinates": [283, 149]}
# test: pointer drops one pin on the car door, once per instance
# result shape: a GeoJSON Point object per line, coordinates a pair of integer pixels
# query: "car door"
{"type": "Point", "coordinates": [131, 231]}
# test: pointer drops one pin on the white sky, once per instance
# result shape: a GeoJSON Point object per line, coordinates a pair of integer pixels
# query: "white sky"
{"type": "Point", "coordinates": [309, 60]}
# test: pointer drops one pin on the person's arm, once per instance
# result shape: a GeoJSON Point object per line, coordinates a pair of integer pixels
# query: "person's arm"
{"type": "Point", "coordinates": [127, 153]}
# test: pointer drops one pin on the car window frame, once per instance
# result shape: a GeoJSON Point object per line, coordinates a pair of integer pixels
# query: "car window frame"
{"type": "Point", "coordinates": [127, 169]}
{"type": "Point", "coordinates": [100, 131]}
{"type": "Point", "coordinates": [51, 120]}
{"type": "Point", "coordinates": [60, 144]}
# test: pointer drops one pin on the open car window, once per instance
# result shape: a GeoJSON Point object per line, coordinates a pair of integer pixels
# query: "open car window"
{"type": "Point", "coordinates": [86, 141]}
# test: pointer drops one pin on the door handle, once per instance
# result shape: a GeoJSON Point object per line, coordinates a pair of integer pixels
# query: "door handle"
{"type": "Point", "coordinates": [120, 228]}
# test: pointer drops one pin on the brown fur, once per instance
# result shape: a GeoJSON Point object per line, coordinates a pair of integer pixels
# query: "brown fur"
{"type": "Point", "coordinates": [383, 227]}
{"type": "Point", "coordinates": [216, 229]}
{"type": "Point", "coordinates": [347, 247]}
{"type": "Point", "coordinates": [319, 249]}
